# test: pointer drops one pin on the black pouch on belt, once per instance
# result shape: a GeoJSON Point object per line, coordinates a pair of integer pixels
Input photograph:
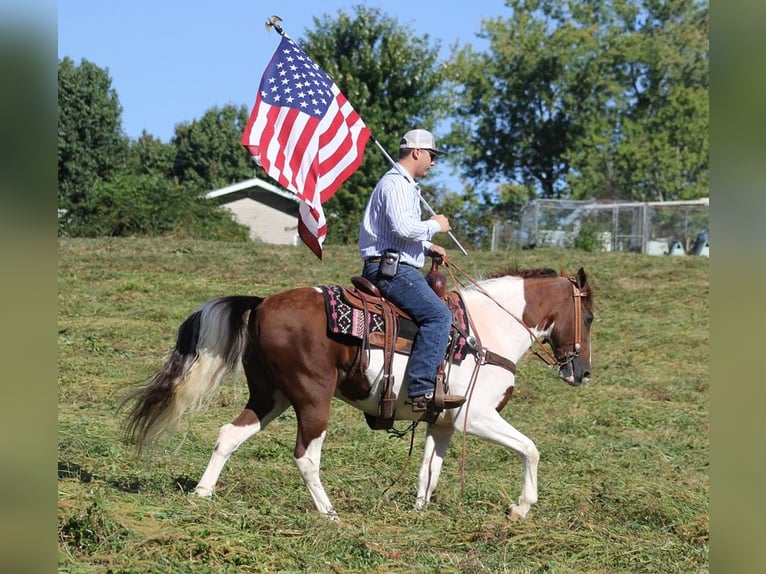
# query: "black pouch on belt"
{"type": "Point", "coordinates": [389, 263]}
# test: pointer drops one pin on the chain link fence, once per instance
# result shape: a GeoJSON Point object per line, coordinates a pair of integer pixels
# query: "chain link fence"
{"type": "Point", "coordinates": [654, 228]}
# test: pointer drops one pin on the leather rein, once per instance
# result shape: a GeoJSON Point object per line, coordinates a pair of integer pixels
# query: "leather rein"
{"type": "Point", "coordinates": [486, 357]}
{"type": "Point", "coordinates": [546, 356]}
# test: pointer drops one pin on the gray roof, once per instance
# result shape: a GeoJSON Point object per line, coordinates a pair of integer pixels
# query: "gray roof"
{"type": "Point", "coordinates": [254, 183]}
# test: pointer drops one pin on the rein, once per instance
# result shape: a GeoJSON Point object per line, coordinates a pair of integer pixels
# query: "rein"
{"type": "Point", "coordinates": [485, 356]}
{"type": "Point", "coordinates": [548, 358]}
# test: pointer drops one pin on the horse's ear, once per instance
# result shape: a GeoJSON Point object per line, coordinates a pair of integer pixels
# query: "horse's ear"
{"type": "Point", "coordinates": [563, 272]}
{"type": "Point", "coordinates": [582, 279]}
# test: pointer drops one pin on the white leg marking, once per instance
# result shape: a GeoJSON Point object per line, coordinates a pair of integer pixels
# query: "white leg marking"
{"type": "Point", "coordinates": [230, 438]}
{"type": "Point", "coordinates": [495, 428]}
{"type": "Point", "coordinates": [308, 466]}
{"type": "Point", "coordinates": [437, 441]}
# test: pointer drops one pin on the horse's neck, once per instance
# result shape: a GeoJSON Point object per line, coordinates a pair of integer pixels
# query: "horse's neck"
{"type": "Point", "coordinates": [497, 315]}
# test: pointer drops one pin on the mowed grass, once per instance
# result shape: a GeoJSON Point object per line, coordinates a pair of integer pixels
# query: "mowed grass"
{"type": "Point", "coordinates": [623, 477]}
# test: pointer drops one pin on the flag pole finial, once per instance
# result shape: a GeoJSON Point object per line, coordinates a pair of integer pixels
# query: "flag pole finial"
{"type": "Point", "coordinates": [273, 22]}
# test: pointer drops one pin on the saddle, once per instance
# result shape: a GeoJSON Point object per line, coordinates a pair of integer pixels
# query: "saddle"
{"type": "Point", "coordinates": [362, 312]}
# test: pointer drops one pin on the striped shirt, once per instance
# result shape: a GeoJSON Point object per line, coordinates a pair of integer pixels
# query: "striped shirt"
{"type": "Point", "coordinates": [393, 220]}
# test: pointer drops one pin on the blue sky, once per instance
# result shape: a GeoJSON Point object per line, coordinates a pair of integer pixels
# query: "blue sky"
{"type": "Point", "coordinates": [171, 61]}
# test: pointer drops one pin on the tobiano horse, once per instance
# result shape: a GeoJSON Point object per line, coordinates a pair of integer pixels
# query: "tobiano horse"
{"type": "Point", "coordinates": [290, 360]}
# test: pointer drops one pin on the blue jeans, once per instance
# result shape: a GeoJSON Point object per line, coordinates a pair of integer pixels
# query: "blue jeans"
{"type": "Point", "coordinates": [409, 291]}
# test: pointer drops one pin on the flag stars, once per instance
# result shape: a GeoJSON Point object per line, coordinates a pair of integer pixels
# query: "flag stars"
{"type": "Point", "coordinates": [294, 80]}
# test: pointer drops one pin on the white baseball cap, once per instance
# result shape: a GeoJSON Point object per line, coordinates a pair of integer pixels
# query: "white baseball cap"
{"type": "Point", "coordinates": [420, 139]}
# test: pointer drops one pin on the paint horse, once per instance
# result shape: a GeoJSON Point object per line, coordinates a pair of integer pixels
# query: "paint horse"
{"type": "Point", "coordinates": [290, 360]}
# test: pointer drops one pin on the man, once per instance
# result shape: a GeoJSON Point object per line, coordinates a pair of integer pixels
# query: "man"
{"type": "Point", "coordinates": [393, 242]}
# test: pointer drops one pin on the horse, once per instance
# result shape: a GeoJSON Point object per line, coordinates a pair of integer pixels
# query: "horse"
{"type": "Point", "coordinates": [290, 360]}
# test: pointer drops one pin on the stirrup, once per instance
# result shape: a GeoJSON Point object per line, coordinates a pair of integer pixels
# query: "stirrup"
{"type": "Point", "coordinates": [430, 403]}
{"type": "Point", "coordinates": [449, 401]}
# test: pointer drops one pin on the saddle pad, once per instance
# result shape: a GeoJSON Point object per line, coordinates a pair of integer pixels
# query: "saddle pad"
{"type": "Point", "coordinates": [342, 318]}
{"type": "Point", "coordinates": [346, 319]}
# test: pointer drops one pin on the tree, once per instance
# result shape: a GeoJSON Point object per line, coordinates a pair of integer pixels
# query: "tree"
{"type": "Point", "coordinates": [208, 151]}
{"type": "Point", "coordinates": [661, 152]}
{"type": "Point", "coordinates": [520, 101]}
{"type": "Point", "coordinates": [392, 78]}
{"type": "Point", "coordinates": [91, 145]}
{"type": "Point", "coordinates": [149, 155]}
{"type": "Point", "coordinates": [150, 205]}
{"type": "Point", "coordinates": [584, 99]}
{"type": "Point", "coordinates": [109, 185]}
{"type": "Point", "coordinates": [470, 217]}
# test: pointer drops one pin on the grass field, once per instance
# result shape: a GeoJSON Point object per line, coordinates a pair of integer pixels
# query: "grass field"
{"type": "Point", "coordinates": [623, 478]}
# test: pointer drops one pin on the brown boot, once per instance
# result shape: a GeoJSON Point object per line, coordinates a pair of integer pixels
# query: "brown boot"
{"type": "Point", "coordinates": [427, 402]}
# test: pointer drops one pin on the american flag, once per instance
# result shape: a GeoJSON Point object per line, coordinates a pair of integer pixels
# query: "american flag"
{"type": "Point", "coordinates": [305, 135]}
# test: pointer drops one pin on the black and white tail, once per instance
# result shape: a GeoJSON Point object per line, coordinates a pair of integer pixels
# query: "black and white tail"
{"type": "Point", "coordinates": [209, 345]}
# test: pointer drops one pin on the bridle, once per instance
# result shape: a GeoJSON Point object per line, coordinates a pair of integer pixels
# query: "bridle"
{"type": "Point", "coordinates": [569, 356]}
{"type": "Point", "coordinates": [546, 356]}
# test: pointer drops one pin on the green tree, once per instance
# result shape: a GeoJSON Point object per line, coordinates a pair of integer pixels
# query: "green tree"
{"type": "Point", "coordinates": [661, 151]}
{"type": "Point", "coordinates": [150, 205]}
{"type": "Point", "coordinates": [109, 185]}
{"type": "Point", "coordinates": [471, 217]}
{"type": "Point", "coordinates": [583, 99]}
{"type": "Point", "coordinates": [520, 102]}
{"type": "Point", "coordinates": [91, 145]}
{"type": "Point", "coordinates": [208, 151]}
{"type": "Point", "coordinates": [392, 78]}
{"type": "Point", "coordinates": [150, 155]}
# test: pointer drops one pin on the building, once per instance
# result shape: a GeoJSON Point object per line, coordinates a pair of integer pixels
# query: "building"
{"type": "Point", "coordinates": [268, 211]}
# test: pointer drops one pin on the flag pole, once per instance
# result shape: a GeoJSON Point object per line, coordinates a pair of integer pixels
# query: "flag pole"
{"type": "Point", "coordinates": [423, 201]}
{"type": "Point", "coordinates": [273, 22]}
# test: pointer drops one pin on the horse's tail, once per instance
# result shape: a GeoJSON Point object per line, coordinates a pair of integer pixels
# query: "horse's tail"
{"type": "Point", "coordinates": [210, 344]}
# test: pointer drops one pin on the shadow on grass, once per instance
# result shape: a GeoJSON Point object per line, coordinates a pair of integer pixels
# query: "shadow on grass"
{"type": "Point", "coordinates": [71, 470]}
{"type": "Point", "coordinates": [131, 484]}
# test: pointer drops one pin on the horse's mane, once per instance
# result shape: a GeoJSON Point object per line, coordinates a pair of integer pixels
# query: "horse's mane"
{"type": "Point", "coordinates": [526, 273]}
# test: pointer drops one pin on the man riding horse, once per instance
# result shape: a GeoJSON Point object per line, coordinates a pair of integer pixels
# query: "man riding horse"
{"type": "Point", "coordinates": [393, 242]}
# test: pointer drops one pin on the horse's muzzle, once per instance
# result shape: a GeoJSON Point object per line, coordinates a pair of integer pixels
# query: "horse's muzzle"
{"type": "Point", "coordinates": [568, 374]}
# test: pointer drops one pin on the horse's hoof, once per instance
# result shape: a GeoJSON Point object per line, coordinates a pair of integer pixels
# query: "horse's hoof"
{"type": "Point", "coordinates": [516, 513]}
{"type": "Point", "coordinates": [420, 504]}
{"type": "Point", "coordinates": [203, 492]}
{"type": "Point", "coordinates": [332, 516]}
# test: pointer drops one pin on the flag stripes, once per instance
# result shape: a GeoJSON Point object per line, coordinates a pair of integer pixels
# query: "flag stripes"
{"type": "Point", "coordinates": [305, 134]}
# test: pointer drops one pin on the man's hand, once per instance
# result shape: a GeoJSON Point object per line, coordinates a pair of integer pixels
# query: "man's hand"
{"type": "Point", "coordinates": [437, 250]}
{"type": "Point", "coordinates": [442, 221]}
